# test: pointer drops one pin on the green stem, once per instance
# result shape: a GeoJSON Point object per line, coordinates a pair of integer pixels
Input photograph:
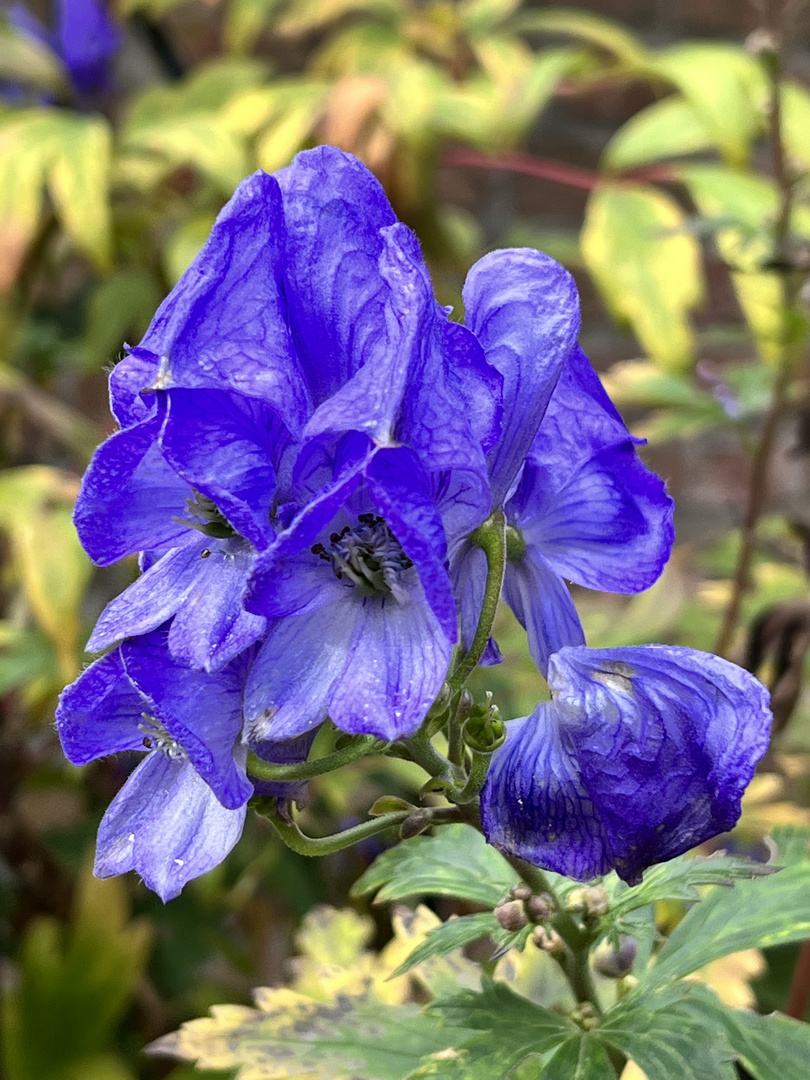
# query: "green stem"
{"type": "Point", "coordinates": [325, 845]}
{"type": "Point", "coordinates": [421, 750]}
{"type": "Point", "coordinates": [305, 770]}
{"type": "Point", "coordinates": [479, 767]}
{"type": "Point", "coordinates": [491, 538]}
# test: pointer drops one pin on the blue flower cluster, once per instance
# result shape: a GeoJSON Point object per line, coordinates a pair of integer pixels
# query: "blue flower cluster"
{"type": "Point", "coordinates": [307, 446]}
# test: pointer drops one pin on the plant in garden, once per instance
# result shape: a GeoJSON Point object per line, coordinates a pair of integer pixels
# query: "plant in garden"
{"type": "Point", "coordinates": [324, 475]}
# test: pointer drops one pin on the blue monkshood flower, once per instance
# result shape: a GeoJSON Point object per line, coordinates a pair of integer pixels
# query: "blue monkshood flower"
{"type": "Point", "coordinates": [585, 508]}
{"type": "Point", "coordinates": [302, 372]}
{"type": "Point", "coordinates": [84, 37]}
{"type": "Point", "coordinates": [641, 754]}
{"type": "Point", "coordinates": [182, 809]}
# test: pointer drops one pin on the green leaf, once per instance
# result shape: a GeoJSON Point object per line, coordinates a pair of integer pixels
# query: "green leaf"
{"type": "Point", "coordinates": [25, 60]}
{"type": "Point", "coordinates": [449, 936]}
{"type": "Point", "coordinates": [73, 992]}
{"type": "Point", "coordinates": [646, 265]}
{"type": "Point", "coordinates": [667, 1038]}
{"type": "Point", "coordinates": [754, 915]}
{"type": "Point", "coordinates": [507, 1029]}
{"type": "Point", "coordinates": [678, 880]}
{"type": "Point", "coordinates": [292, 1036]}
{"type": "Point", "coordinates": [480, 17]}
{"type": "Point", "coordinates": [669, 128]}
{"type": "Point", "coordinates": [120, 309]}
{"type": "Point", "coordinates": [185, 243]}
{"type": "Point", "coordinates": [605, 34]}
{"type": "Point", "coordinates": [245, 21]}
{"type": "Point", "coordinates": [455, 861]}
{"type": "Point", "coordinates": [773, 1047]}
{"type": "Point", "coordinates": [582, 1057]}
{"type": "Point", "coordinates": [796, 122]}
{"type": "Point", "coordinates": [724, 84]}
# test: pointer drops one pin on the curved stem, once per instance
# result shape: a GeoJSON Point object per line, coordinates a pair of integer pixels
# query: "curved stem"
{"type": "Point", "coordinates": [326, 845]}
{"type": "Point", "coordinates": [491, 538]}
{"type": "Point", "coordinates": [305, 770]}
{"type": "Point", "coordinates": [479, 767]}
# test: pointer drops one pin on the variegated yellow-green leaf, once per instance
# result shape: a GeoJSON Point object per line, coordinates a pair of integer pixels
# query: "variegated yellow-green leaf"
{"type": "Point", "coordinates": [646, 265]}
{"type": "Point", "coordinates": [24, 59]}
{"type": "Point", "coordinates": [796, 123]}
{"type": "Point", "coordinates": [185, 243]}
{"type": "Point", "coordinates": [292, 1037]}
{"type": "Point", "coordinates": [288, 133]}
{"type": "Point", "coordinates": [245, 20]}
{"type": "Point", "coordinates": [35, 513]}
{"type": "Point", "coordinates": [724, 85]}
{"type": "Point", "coordinates": [669, 128]}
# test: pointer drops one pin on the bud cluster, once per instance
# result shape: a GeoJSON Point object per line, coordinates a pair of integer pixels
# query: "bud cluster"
{"type": "Point", "coordinates": [521, 907]}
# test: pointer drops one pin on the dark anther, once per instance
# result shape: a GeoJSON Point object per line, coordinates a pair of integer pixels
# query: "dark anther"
{"type": "Point", "coordinates": [334, 537]}
{"type": "Point", "coordinates": [147, 742]}
{"type": "Point", "coordinates": [205, 553]}
{"type": "Point", "coordinates": [318, 549]}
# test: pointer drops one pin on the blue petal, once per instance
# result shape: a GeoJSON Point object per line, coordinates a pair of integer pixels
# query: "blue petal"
{"type": "Point", "coordinates": [334, 209]}
{"type": "Point", "coordinates": [129, 379]}
{"type": "Point", "coordinates": [99, 713]}
{"type": "Point", "coordinates": [225, 446]}
{"type": "Point", "coordinates": [224, 324]}
{"type": "Point", "coordinates": [129, 496]}
{"type": "Point", "coordinates": [585, 499]}
{"type": "Point", "coordinates": [651, 749]}
{"type": "Point", "coordinates": [166, 824]}
{"type": "Point", "coordinates": [524, 309]}
{"type": "Point", "coordinates": [542, 605]}
{"type": "Point", "coordinates": [202, 713]}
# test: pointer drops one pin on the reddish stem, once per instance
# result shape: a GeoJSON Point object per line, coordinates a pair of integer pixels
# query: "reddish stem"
{"type": "Point", "coordinates": [800, 987]}
{"type": "Point", "coordinates": [544, 169]}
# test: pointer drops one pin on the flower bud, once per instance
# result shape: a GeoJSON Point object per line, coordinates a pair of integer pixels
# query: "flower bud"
{"type": "Point", "coordinates": [484, 730]}
{"type": "Point", "coordinates": [520, 892]}
{"type": "Point", "coordinates": [540, 908]}
{"type": "Point", "coordinates": [510, 915]}
{"type": "Point", "coordinates": [592, 902]}
{"type": "Point", "coordinates": [615, 963]}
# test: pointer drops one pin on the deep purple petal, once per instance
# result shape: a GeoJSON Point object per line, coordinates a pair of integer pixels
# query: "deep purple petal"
{"type": "Point", "coordinates": [651, 747]}
{"type": "Point", "coordinates": [542, 605]}
{"type": "Point", "coordinates": [292, 583]}
{"type": "Point", "coordinates": [225, 446]}
{"type": "Point", "coordinates": [334, 209]}
{"type": "Point", "coordinates": [166, 824]}
{"type": "Point", "coordinates": [202, 713]}
{"type": "Point", "coordinates": [129, 496]}
{"type": "Point", "coordinates": [87, 39]}
{"type": "Point", "coordinates": [99, 713]}
{"type": "Point", "coordinates": [224, 323]}
{"type": "Point", "coordinates": [535, 805]}
{"type": "Point", "coordinates": [285, 752]}
{"type": "Point", "coordinates": [524, 309]}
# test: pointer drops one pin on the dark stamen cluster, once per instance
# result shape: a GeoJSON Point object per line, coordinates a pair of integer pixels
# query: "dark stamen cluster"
{"type": "Point", "coordinates": [368, 557]}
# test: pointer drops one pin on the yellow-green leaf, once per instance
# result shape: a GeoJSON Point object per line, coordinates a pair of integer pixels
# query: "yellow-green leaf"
{"type": "Point", "coordinates": [79, 182]}
{"type": "Point", "coordinates": [796, 123]}
{"type": "Point", "coordinates": [24, 59]}
{"type": "Point", "coordinates": [286, 135]}
{"type": "Point", "coordinates": [724, 85]}
{"type": "Point", "coordinates": [647, 266]}
{"type": "Point", "coordinates": [669, 128]}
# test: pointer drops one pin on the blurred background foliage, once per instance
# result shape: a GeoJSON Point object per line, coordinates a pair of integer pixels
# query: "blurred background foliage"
{"type": "Point", "coordinates": [636, 155]}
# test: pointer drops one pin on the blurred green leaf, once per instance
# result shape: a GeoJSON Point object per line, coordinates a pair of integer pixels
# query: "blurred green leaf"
{"type": "Point", "coordinates": [36, 514]}
{"type": "Point", "coordinates": [75, 987]}
{"type": "Point", "coordinates": [456, 861]}
{"type": "Point", "coordinates": [666, 1037]}
{"type": "Point", "coordinates": [79, 182]}
{"type": "Point", "coordinates": [581, 1057]}
{"type": "Point", "coordinates": [604, 33]}
{"type": "Point", "coordinates": [646, 265]}
{"type": "Point", "coordinates": [796, 122]}
{"type": "Point", "coordinates": [28, 664]}
{"type": "Point", "coordinates": [753, 915]}
{"type": "Point", "coordinates": [27, 61]}
{"type": "Point", "coordinates": [724, 85]}
{"type": "Point", "coordinates": [480, 17]}
{"type": "Point", "coordinates": [449, 936]}
{"type": "Point", "coordinates": [122, 305]}
{"type": "Point", "coordinates": [669, 128]}
{"type": "Point", "coordinates": [304, 16]}
{"type": "Point", "coordinates": [245, 20]}
{"type": "Point", "coordinates": [185, 244]}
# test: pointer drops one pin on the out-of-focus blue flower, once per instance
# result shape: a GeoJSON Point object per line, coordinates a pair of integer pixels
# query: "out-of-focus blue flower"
{"type": "Point", "coordinates": [641, 754]}
{"type": "Point", "coordinates": [183, 808]}
{"type": "Point", "coordinates": [84, 37]}
{"type": "Point", "coordinates": [585, 509]}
